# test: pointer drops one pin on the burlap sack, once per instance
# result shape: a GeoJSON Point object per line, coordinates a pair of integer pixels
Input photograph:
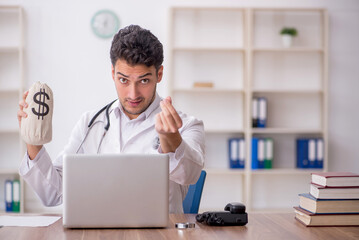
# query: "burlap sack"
{"type": "Point", "coordinates": [36, 128]}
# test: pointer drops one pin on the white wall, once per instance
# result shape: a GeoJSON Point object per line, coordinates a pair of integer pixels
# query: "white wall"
{"type": "Point", "coordinates": [61, 50]}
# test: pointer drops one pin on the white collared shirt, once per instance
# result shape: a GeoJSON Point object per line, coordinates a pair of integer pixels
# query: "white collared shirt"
{"type": "Point", "coordinates": [124, 136]}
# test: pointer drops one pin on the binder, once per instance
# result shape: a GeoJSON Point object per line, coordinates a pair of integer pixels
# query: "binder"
{"type": "Point", "coordinates": [242, 153]}
{"type": "Point", "coordinates": [233, 152]}
{"type": "Point", "coordinates": [320, 153]}
{"type": "Point", "coordinates": [16, 196]}
{"type": "Point", "coordinates": [261, 146]}
{"type": "Point", "coordinates": [302, 153]}
{"type": "Point", "coordinates": [262, 112]}
{"type": "Point", "coordinates": [268, 159]}
{"type": "Point", "coordinates": [311, 153]}
{"type": "Point", "coordinates": [8, 196]}
{"type": "Point", "coordinates": [254, 153]}
{"type": "Point", "coordinates": [254, 112]}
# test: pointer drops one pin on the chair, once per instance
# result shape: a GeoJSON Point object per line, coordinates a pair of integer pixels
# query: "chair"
{"type": "Point", "coordinates": [194, 194]}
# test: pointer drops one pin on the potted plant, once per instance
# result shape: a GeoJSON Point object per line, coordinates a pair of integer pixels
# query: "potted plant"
{"type": "Point", "coordinates": [287, 36]}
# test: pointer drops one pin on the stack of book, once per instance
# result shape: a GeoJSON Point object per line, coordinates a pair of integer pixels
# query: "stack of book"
{"type": "Point", "coordinates": [333, 200]}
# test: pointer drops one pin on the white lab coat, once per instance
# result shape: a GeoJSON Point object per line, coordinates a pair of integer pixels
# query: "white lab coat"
{"type": "Point", "coordinates": [45, 176]}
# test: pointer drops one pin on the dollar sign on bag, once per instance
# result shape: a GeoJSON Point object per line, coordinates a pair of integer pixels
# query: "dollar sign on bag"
{"type": "Point", "coordinates": [42, 105]}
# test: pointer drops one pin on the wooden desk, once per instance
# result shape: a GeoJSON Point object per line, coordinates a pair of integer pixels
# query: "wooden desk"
{"type": "Point", "coordinates": [260, 226]}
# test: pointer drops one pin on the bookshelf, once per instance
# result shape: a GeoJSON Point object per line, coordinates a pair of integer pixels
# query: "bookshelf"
{"type": "Point", "coordinates": [239, 51]}
{"type": "Point", "coordinates": [11, 89]}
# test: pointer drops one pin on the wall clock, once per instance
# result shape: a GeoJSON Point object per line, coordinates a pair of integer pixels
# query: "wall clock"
{"type": "Point", "coordinates": [105, 23]}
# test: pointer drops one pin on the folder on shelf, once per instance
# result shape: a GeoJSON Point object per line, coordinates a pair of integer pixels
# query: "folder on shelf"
{"type": "Point", "coordinates": [311, 153]}
{"type": "Point", "coordinates": [254, 112]}
{"type": "Point", "coordinates": [254, 153]}
{"type": "Point", "coordinates": [268, 158]}
{"type": "Point", "coordinates": [8, 196]}
{"type": "Point", "coordinates": [242, 153]}
{"type": "Point", "coordinates": [16, 196]}
{"type": "Point", "coordinates": [261, 149]}
{"type": "Point", "coordinates": [233, 152]}
{"type": "Point", "coordinates": [262, 112]}
{"type": "Point", "coordinates": [302, 153]}
{"type": "Point", "coordinates": [319, 153]}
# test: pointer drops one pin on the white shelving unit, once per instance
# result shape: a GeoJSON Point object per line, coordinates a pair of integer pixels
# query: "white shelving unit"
{"type": "Point", "coordinates": [240, 52]}
{"type": "Point", "coordinates": [11, 89]}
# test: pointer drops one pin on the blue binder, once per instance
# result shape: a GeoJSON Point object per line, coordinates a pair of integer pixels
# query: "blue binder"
{"type": "Point", "coordinates": [233, 152]}
{"type": "Point", "coordinates": [262, 112]}
{"type": "Point", "coordinates": [302, 153]}
{"type": "Point", "coordinates": [8, 196]}
{"type": "Point", "coordinates": [319, 153]}
{"type": "Point", "coordinates": [312, 153]}
{"type": "Point", "coordinates": [261, 153]}
{"type": "Point", "coordinates": [242, 153]}
{"type": "Point", "coordinates": [254, 153]}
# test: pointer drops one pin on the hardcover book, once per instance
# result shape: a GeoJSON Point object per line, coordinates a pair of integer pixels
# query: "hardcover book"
{"type": "Point", "coordinates": [321, 192]}
{"type": "Point", "coordinates": [326, 219]}
{"type": "Point", "coordinates": [336, 179]}
{"type": "Point", "coordinates": [314, 205]}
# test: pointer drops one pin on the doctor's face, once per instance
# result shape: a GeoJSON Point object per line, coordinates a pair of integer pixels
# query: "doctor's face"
{"type": "Point", "coordinates": [135, 86]}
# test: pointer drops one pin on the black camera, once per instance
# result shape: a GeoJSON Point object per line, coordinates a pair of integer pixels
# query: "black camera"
{"type": "Point", "coordinates": [234, 215]}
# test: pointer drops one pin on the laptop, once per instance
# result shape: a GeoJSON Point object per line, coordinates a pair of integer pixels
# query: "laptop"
{"type": "Point", "coordinates": [115, 191]}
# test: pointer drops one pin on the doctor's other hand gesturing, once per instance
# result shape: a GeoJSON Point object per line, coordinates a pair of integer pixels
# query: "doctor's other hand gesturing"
{"type": "Point", "coordinates": [167, 124]}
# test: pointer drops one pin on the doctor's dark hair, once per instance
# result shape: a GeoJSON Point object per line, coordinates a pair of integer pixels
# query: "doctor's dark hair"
{"type": "Point", "coordinates": [136, 45]}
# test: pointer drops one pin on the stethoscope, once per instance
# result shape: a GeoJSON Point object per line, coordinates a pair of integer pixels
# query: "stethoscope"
{"type": "Point", "coordinates": [92, 123]}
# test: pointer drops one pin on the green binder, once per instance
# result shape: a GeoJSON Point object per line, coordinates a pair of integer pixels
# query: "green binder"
{"type": "Point", "coordinates": [16, 196]}
{"type": "Point", "coordinates": [268, 156]}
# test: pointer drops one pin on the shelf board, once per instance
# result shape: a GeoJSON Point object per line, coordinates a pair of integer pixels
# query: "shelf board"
{"type": "Point", "coordinates": [209, 49]}
{"type": "Point", "coordinates": [292, 49]}
{"type": "Point", "coordinates": [285, 171]}
{"type": "Point", "coordinates": [289, 9]}
{"type": "Point", "coordinates": [289, 91]}
{"type": "Point", "coordinates": [9, 49]}
{"type": "Point", "coordinates": [241, 131]}
{"type": "Point", "coordinates": [207, 90]}
{"type": "Point", "coordinates": [9, 90]}
{"type": "Point", "coordinates": [225, 171]}
{"type": "Point", "coordinates": [9, 171]}
{"type": "Point", "coordinates": [9, 130]}
{"type": "Point", "coordinates": [286, 131]}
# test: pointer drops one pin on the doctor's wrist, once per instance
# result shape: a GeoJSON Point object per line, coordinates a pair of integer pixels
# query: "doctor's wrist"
{"type": "Point", "coordinates": [170, 142]}
{"type": "Point", "coordinates": [33, 150]}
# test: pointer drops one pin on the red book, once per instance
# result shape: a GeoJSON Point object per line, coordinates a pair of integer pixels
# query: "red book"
{"type": "Point", "coordinates": [336, 179]}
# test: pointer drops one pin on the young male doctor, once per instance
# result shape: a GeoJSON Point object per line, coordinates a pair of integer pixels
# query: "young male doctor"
{"type": "Point", "coordinates": [140, 122]}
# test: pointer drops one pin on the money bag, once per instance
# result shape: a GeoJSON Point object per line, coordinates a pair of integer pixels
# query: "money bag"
{"type": "Point", "coordinates": [36, 128]}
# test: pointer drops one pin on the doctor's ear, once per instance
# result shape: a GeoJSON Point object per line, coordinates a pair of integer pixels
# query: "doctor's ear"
{"type": "Point", "coordinates": [113, 72]}
{"type": "Point", "coordinates": [159, 74]}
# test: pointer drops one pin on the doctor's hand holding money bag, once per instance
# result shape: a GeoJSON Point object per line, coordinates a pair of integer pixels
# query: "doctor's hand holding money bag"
{"type": "Point", "coordinates": [35, 116]}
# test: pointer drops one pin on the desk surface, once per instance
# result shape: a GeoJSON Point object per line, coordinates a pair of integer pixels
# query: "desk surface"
{"type": "Point", "coordinates": [260, 226]}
